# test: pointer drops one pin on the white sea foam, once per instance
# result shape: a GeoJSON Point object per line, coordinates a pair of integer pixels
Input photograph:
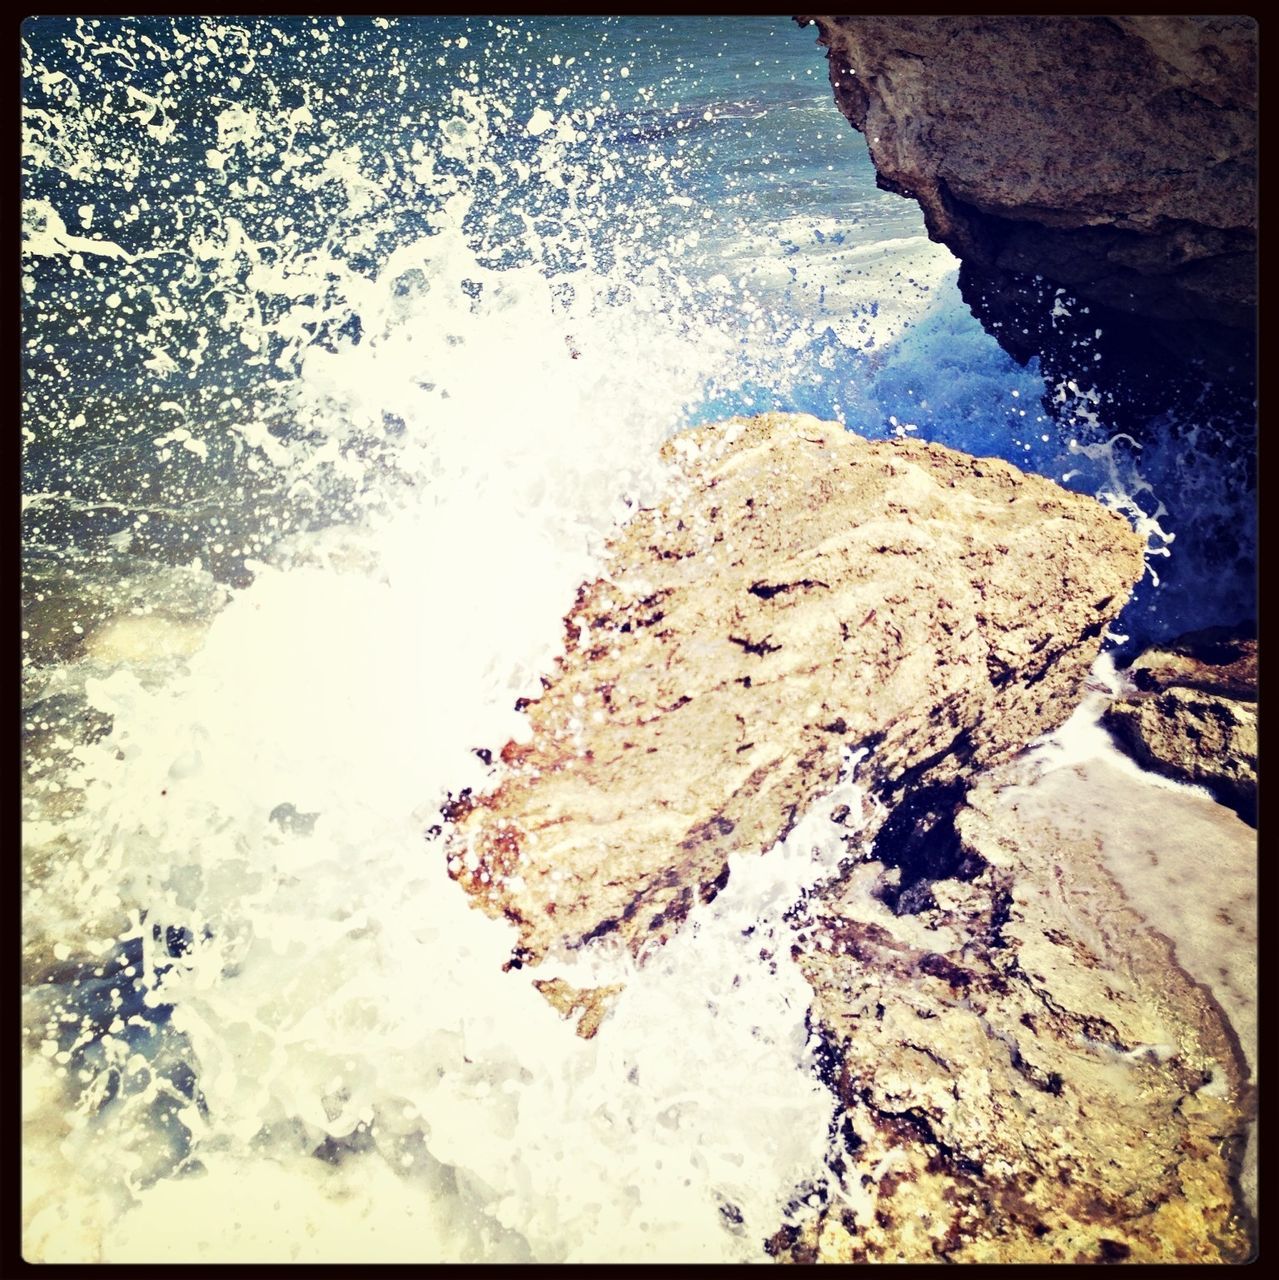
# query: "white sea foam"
{"type": "Point", "coordinates": [250, 832]}
{"type": "Point", "coordinates": [339, 985]}
{"type": "Point", "coordinates": [868, 292]}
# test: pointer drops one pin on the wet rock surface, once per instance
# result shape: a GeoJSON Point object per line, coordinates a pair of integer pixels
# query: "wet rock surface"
{"type": "Point", "coordinates": [1034, 1005]}
{"type": "Point", "coordinates": [1025, 1070]}
{"type": "Point", "coordinates": [1113, 156]}
{"type": "Point", "coordinates": [801, 594]}
{"type": "Point", "coordinates": [1217, 660]}
{"type": "Point", "coordinates": [1194, 715]}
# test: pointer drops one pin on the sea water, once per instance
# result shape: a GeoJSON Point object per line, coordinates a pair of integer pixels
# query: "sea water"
{"type": "Point", "coordinates": [346, 345]}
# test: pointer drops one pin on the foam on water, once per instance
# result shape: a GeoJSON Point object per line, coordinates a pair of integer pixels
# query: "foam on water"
{"type": "Point", "coordinates": [333, 987]}
{"type": "Point", "coordinates": [249, 953]}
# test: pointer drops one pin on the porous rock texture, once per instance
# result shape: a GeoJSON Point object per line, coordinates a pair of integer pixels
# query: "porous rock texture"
{"type": "Point", "coordinates": [1114, 156]}
{"type": "Point", "coordinates": [1026, 1073]}
{"type": "Point", "coordinates": [1217, 660]}
{"type": "Point", "coordinates": [801, 593]}
{"type": "Point", "coordinates": [1194, 715]}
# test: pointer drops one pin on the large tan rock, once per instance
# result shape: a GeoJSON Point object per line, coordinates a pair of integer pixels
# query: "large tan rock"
{"type": "Point", "coordinates": [1027, 1071]}
{"type": "Point", "coordinates": [1114, 156]}
{"type": "Point", "coordinates": [800, 593]}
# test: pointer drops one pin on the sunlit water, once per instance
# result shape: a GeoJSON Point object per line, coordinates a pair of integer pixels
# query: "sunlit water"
{"type": "Point", "coordinates": [346, 346]}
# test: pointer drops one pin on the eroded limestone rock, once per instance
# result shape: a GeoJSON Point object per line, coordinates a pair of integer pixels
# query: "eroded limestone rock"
{"type": "Point", "coordinates": [1026, 1072]}
{"type": "Point", "coordinates": [1217, 660]}
{"type": "Point", "coordinates": [801, 593]}
{"type": "Point", "coordinates": [1115, 156]}
{"type": "Point", "coordinates": [1194, 716]}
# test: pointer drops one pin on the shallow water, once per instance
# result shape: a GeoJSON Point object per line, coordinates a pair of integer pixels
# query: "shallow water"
{"type": "Point", "coordinates": [346, 345]}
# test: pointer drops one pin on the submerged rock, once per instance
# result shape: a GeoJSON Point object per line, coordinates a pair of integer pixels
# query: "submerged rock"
{"type": "Point", "coordinates": [801, 594]}
{"type": "Point", "coordinates": [1025, 1071]}
{"type": "Point", "coordinates": [1194, 716]}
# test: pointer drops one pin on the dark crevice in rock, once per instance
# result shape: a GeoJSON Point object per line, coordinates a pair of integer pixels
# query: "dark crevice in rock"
{"type": "Point", "coordinates": [757, 647]}
{"type": "Point", "coordinates": [828, 1062]}
{"type": "Point", "coordinates": [914, 1125]}
{"type": "Point", "coordinates": [603, 928]}
{"type": "Point", "coordinates": [913, 778]}
{"type": "Point", "coordinates": [920, 839]}
{"type": "Point", "coordinates": [710, 891]}
{"type": "Point", "coordinates": [454, 809]}
{"type": "Point", "coordinates": [766, 591]}
{"type": "Point", "coordinates": [1051, 1083]}
{"type": "Point", "coordinates": [1113, 1251]}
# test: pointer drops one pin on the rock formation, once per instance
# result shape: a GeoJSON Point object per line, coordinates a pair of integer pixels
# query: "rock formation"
{"type": "Point", "coordinates": [1116, 156]}
{"type": "Point", "coordinates": [802, 593]}
{"type": "Point", "coordinates": [1194, 715]}
{"type": "Point", "coordinates": [1111, 159]}
{"type": "Point", "coordinates": [1217, 660]}
{"type": "Point", "coordinates": [1025, 1071]}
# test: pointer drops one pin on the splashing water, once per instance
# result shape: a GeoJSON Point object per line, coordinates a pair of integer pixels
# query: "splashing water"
{"type": "Point", "coordinates": [347, 344]}
{"type": "Point", "coordinates": [258, 984]}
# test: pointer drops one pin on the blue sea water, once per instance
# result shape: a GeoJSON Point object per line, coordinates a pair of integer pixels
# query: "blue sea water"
{"type": "Point", "coordinates": [307, 295]}
{"type": "Point", "coordinates": [720, 129]}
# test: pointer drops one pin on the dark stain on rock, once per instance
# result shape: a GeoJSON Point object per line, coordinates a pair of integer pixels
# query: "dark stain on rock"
{"type": "Point", "coordinates": [766, 591]}
{"type": "Point", "coordinates": [937, 966]}
{"type": "Point", "coordinates": [757, 647]}
{"type": "Point", "coordinates": [674, 911]}
{"type": "Point", "coordinates": [782, 1241]}
{"type": "Point", "coordinates": [711, 829]}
